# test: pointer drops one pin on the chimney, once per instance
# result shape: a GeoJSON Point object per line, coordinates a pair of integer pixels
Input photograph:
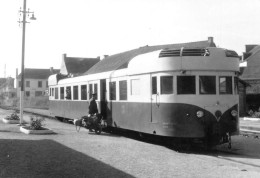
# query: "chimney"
{"type": "Point", "coordinates": [51, 70]}
{"type": "Point", "coordinates": [210, 40]}
{"type": "Point", "coordinates": [103, 57]}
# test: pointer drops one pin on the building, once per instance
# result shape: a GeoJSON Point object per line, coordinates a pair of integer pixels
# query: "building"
{"type": "Point", "coordinates": [75, 66]}
{"type": "Point", "coordinates": [251, 75]}
{"type": "Point", "coordinates": [35, 81]}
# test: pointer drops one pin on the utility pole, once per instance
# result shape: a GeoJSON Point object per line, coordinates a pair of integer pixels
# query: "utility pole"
{"type": "Point", "coordinates": [24, 12]}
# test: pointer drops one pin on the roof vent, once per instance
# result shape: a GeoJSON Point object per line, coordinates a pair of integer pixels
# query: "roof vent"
{"type": "Point", "coordinates": [184, 52]}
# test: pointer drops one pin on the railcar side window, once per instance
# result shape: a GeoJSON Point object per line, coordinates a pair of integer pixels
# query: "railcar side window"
{"type": "Point", "coordinates": [207, 84]}
{"type": "Point", "coordinates": [68, 93]}
{"type": "Point", "coordinates": [123, 90]}
{"type": "Point", "coordinates": [56, 93]}
{"type": "Point", "coordinates": [166, 84]}
{"type": "Point", "coordinates": [90, 91]}
{"type": "Point", "coordinates": [225, 85]}
{"type": "Point", "coordinates": [62, 93]}
{"type": "Point", "coordinates": [186, 85]}
{"type": "Point", "coordinates": [75, 92]}
{"type": "Point", "coordinates": [112, 90]}
{"type": "Point", "coordinates": [83, 92]}
{"type": "Point", "coordinates": [154, 85]}
{"type": "Point", "coordinates": [135, 87]}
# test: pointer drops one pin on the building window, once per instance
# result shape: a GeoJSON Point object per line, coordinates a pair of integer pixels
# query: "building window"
{"type": "Point", "coordinates": [39, 84]}
{"type": "Point", "coordinates": [62, 93]}
{"type": "Point", "coordinates": [112, 90]}
{"type": "Point", "coordinates": [166, 84]}
{"type": "Point", "coordinates": [207, 84]}
{"type": "Point", "coordinates": [56, 93]}
{"type": "Point", "coordinates": [27, 83]}
{"type": "Point", "coordinates": [135, 87]}
{"type": "Point", "coordinates": [186, 85]}
{"type": "Point", "coordinates": [68, 93]}
{"type": "Point", "coordinates": [27, 93]}
{"type": "Point", "coordinates": [38, 93]}
{"type": "Point", "coordinates": [75, 92]}
{"type": "Point", "coordinates": [154, 85]}
{"type": "Point", "coordinates": [123, 90]}
{"type": "Point", "coordinates": [83, 92]}
{"type": "Point", "coordinates": [225, 85]}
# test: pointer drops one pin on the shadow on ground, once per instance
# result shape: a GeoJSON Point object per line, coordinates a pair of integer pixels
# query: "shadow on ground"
{"type": "Point", "coordinates": [47, 158]}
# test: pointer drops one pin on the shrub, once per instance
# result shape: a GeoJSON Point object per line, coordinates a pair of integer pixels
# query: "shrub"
{"type": "Point", "coordinates": [36, 122]}
{"type": "Point", "coordinates": [13, 116]}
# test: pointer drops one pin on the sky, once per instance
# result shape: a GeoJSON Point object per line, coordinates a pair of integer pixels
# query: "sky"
{"type": "Point", "coordinates": [91, 28]}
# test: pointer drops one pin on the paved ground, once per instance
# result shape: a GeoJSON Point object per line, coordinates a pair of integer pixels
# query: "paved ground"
{"type": "Point", "coordinates": [69, 153]}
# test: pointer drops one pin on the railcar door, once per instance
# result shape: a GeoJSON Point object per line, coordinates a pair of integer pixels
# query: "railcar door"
{"type": "Point", "coordinates": [161, 92]}
{"type": "Point", "coordinates": [155, 98]}
{"type": "Point", "coordinates": [103, 99]}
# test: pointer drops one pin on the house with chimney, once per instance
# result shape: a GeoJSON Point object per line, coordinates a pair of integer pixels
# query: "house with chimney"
{"type": "Point", "coordinates": [35, 81]}
{"type": "Point", "coordinates": [74, 66]}
{"type": "Point", "coordinates": [251, 75]}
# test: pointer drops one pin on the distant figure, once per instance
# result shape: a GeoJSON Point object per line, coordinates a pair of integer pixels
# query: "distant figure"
{"type": "Point", "coordinates": [93, 109]}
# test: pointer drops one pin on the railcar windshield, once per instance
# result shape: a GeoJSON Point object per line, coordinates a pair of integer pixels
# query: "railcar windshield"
{"type": "Point", "coordinates": [225, 85]}
{"type": "Point", "coordinates": [207, 84]}
{"type": "Point", "coordinates": [186, 85]}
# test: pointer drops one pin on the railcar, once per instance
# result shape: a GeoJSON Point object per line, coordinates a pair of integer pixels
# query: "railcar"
{"type": "Point", "coordinates": [175, 93]}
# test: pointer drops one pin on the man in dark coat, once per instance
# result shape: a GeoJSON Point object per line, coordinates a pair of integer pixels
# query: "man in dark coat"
{"type": "Point", "coordinates": [93, 109]}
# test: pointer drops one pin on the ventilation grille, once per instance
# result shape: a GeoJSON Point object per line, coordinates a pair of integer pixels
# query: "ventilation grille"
{"type": "Point", "coordinates": [184, 52]}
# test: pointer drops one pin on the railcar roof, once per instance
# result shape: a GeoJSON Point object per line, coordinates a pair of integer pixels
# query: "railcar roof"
{"type": "Point", "coordinates": [121, 60]}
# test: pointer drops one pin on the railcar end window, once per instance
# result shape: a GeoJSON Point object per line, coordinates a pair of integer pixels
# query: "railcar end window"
{"type": "Point", "coordinates": [68, 93]}
{"type": "Point", "coordinates": [154, 85]}
{"type": "Point", "coordinates": [186, 85]}
{"type": "Point", "coordinates": [83, 92]}
{"type": "Point", "coordinates": [207, 84]}
{"type": "Point", "coordinates": [112, 90]}
{"type": "Point", "coordinates": [62, 93]}
{"type": "Point", "coordinates": [135, 87]}
{"type": "Point", "coordinates": [123, 90]}
{"type": "Point", "coordinates": [166, 84]}
{"type": "Point", "coordinates": [75, 92]}
{"type": "Point", "coordinates": [52, 92]}
{"type": "Point", "coordinates": [225, 85]}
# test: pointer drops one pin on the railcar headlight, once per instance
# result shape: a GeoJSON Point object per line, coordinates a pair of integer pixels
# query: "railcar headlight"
{"type": "Point", "coordinates": [234, 113]}
{"type": "Point", "coordinates": [200, 114]}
